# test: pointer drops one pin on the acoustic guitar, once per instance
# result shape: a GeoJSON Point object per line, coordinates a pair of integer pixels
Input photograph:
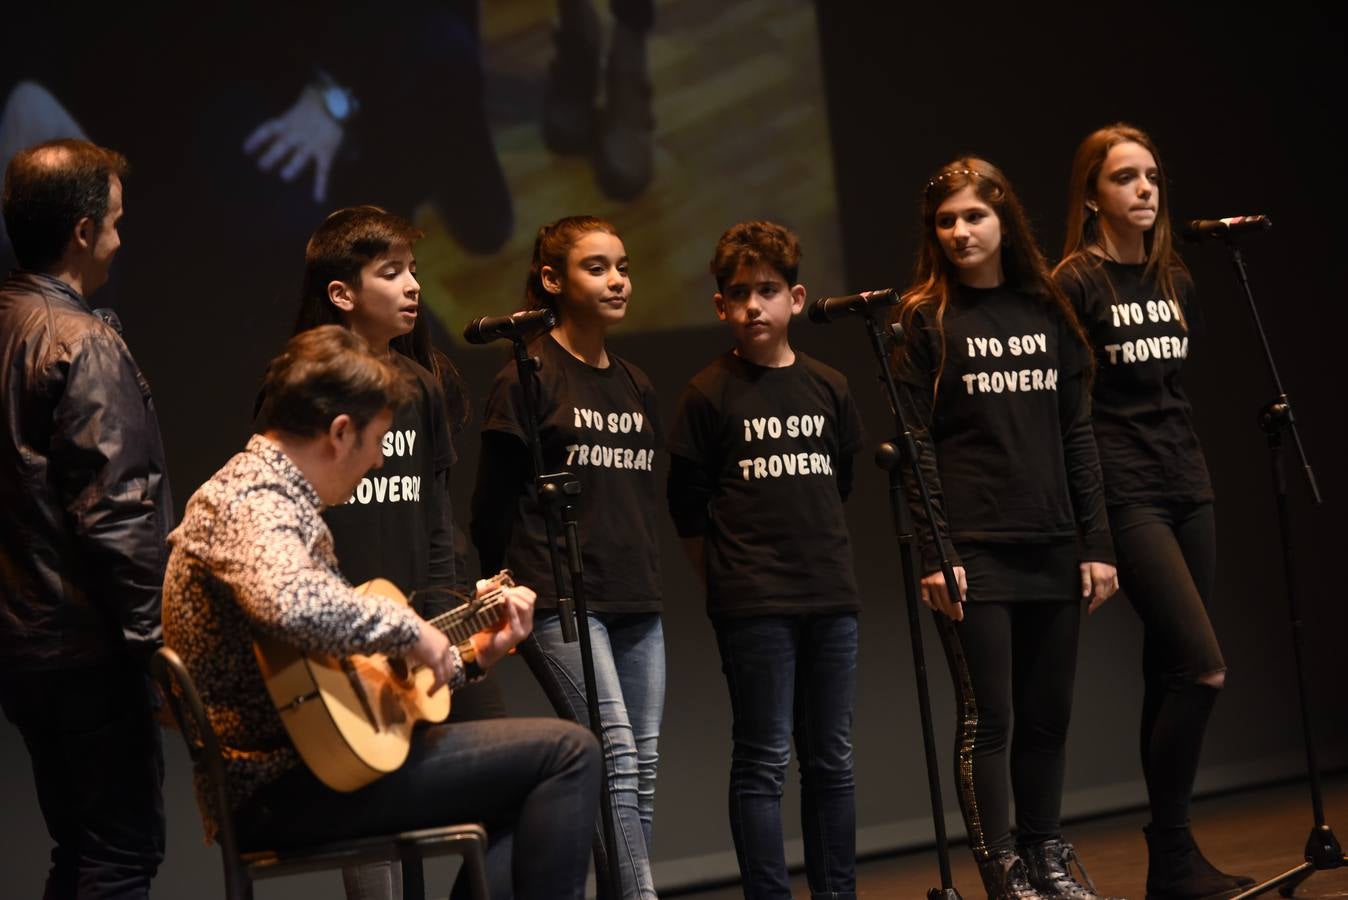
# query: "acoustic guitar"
{"type": "Point", "coordinates": [351, 718]}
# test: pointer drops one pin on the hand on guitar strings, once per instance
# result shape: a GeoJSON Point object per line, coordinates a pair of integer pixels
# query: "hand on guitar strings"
{"type": "Point", "coordinates": [432, 651]}
{"type": "Point", "coordinates": [432, 648]}
{"type": "Point", "coordinates": [515, 626]}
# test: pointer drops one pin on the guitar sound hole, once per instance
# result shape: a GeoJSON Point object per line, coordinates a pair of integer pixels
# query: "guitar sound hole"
{"type": "Point", "coordinates": [399, 669]}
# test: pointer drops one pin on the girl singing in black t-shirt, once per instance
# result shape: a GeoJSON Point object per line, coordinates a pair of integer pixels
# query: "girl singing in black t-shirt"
{"type": "Point", "coordinates": [597, 419]}
{"type": "Point", "coordinates": [996, 370]}
{"type": "Point", "coordinates": [1134, 297]}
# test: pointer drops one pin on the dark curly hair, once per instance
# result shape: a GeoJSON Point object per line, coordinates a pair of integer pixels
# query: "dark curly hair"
{"type": "Point", "coordinates": [756, 243]}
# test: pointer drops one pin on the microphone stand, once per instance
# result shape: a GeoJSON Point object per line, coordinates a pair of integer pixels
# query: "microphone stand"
{"type": "Point", "coordinates": [556, 498]}
{"type": "Point", "coordinates": [1322, 848]}
{"type": "Point", "coordinates": [900, 459]}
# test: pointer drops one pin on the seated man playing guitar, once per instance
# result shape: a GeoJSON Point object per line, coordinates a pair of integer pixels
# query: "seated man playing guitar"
{"type": "Point", "coordinates": [253, 560]}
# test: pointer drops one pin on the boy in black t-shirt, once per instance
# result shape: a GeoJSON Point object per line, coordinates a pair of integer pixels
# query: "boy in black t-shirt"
{"type": "Point", "coordinates": [761, 447]}
{"type": "Point", "coordinates": [360, 272]}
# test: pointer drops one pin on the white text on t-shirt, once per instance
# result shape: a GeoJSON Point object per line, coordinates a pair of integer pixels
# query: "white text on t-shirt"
{"type": "Point", "coordinates": [391, 488]}
{"type": "Point", "coordinates": [601, 455]}
{"type": "Point", "coordinates": [1146, 348]}
{"type": "Point", "coordinates": [1009, 380]}
{"type": "Point", "coordinates": [779, 464]}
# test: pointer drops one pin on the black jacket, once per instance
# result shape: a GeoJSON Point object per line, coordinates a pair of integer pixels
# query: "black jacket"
{"type": "Point", "coordinates": [84, 496]}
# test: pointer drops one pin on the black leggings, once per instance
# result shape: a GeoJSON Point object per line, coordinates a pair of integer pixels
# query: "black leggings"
{"type": "Point", "coordinates": [1167, 564]}
{"type": "Point", "coordinates": [1022, 657]}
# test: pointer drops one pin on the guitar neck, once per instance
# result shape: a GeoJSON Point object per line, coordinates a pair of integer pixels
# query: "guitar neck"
{"type": "Point", "coordinates": [462, 622]}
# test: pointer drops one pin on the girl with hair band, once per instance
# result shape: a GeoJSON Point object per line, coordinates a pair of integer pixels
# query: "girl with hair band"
{"type": "Point", "coordinates": [360, 272]}
{"type": "Point", "coordinates": [1134, 296]}
{"type": "Point", "coordinates": [996, 375]}
{"type": "Point", "coordinates": [597, 418]}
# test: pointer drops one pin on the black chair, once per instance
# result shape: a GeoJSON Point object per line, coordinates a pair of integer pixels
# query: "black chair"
{"type": "Point", "coordinates": [242, 869]}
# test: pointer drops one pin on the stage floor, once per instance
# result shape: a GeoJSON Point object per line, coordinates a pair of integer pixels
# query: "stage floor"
{"type": "Point", "coordinates": [1260, 833]}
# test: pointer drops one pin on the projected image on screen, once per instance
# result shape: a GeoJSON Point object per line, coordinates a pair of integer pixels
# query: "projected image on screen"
{"type": "Point", "coordinates": [737, 130]}
{"type": "Point", "coordinates": [674, 119]}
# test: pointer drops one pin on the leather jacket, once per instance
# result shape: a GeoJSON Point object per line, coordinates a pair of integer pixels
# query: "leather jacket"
{"type": "Point", "coordinates": [84, 494]}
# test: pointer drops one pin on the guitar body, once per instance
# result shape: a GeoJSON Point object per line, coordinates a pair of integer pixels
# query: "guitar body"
{"type": "Point", "coordinates": [349, 718]}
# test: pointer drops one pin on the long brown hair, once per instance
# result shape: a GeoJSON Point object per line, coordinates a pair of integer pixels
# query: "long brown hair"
{"type": "Point", "coordinates": [1164, 265]}
{"type": "Point", "coordinates": [1023, 264]}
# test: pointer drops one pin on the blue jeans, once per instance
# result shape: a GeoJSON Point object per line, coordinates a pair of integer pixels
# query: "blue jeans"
{"type": "Point", "coordinates": [629, 671]}
{"type": "Point", "coordinates": [792, 676]}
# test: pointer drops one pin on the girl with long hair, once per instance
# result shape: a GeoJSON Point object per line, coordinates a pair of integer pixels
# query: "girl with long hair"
{"type": "Point", "coordinates": [1134, 297]}
{"type": "Point", "coordinates": [996, 373]}
{"type": "Point", "coordinates": [597, 418]}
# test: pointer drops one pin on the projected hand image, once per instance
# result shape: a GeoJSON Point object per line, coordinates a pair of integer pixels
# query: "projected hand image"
{"type": "Point", "coordinates": [308, 134]}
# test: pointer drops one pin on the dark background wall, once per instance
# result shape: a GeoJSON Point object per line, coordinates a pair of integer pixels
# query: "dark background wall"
{"type": "Point", "coordinates": [1242, 106]}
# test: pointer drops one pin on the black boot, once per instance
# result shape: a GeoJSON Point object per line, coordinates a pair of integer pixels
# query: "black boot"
{"type": "Point", "coordinates": [1005, 878]}
{"type": "Point", "coordinates": [1049, 864]}
{"type": "Point", "coordinates": [1177, 870]}
{"type": "Point", "coordinates": [569, 116]}
{"type": "Point", "coordinates": [625, 155]}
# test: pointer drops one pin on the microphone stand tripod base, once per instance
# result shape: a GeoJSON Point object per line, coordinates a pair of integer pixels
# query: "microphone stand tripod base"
{"type": "Point", "coordinates": [1322, 854]}
{"type": "Point", "coordinates": [1323, 850]}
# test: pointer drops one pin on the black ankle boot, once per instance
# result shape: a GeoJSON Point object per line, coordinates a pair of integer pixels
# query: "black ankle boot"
{"type": "Point", "coordinates": [1049, 864]}
{"type": "Point", "coordinates": [1177, 870]}
{"type": "Point", "coordinates": [1005, 878]}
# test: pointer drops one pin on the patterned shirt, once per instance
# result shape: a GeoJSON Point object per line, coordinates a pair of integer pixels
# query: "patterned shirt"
{"type": "Point", "coordinates": [254, 555]}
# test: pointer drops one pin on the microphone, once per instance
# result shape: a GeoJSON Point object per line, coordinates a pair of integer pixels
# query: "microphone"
{"type": "Point", "coordinates": [514, 327]}
{"type": "Point", "coordinates": [1201, 229]}
{"type": "Point", "coordinates": [826, 309]}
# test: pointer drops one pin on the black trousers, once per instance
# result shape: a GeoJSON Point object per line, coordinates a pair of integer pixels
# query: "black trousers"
{"type": "Point", "coordinates": [1022, 662]}
{"type": "Point", "coordinates": [1167, 564]}
{"type": "Point", "coordinates": [534, 783]}
{"type": "Point", "coordinates": [98, 765]}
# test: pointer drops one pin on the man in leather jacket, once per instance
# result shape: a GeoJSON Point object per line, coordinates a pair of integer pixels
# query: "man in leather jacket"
{"type": "Point", "coordinates": [86, 510]}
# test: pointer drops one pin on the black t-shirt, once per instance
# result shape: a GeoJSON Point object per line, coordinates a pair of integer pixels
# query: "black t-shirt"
{"type": "Point", "coordinates": [396, 525]}
{"type": "Point", "coordinates": [602, 425]}
{"type": "Point", "coordinates": [1143, 421]}
{"type": "Point", "coordinates": [1008, 453]}
{"type": "Point", "coordinates": [765, 448]}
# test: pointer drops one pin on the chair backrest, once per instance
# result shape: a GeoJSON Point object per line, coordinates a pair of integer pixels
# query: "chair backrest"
{"type": "Point", "coordinates": [202, 746]}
